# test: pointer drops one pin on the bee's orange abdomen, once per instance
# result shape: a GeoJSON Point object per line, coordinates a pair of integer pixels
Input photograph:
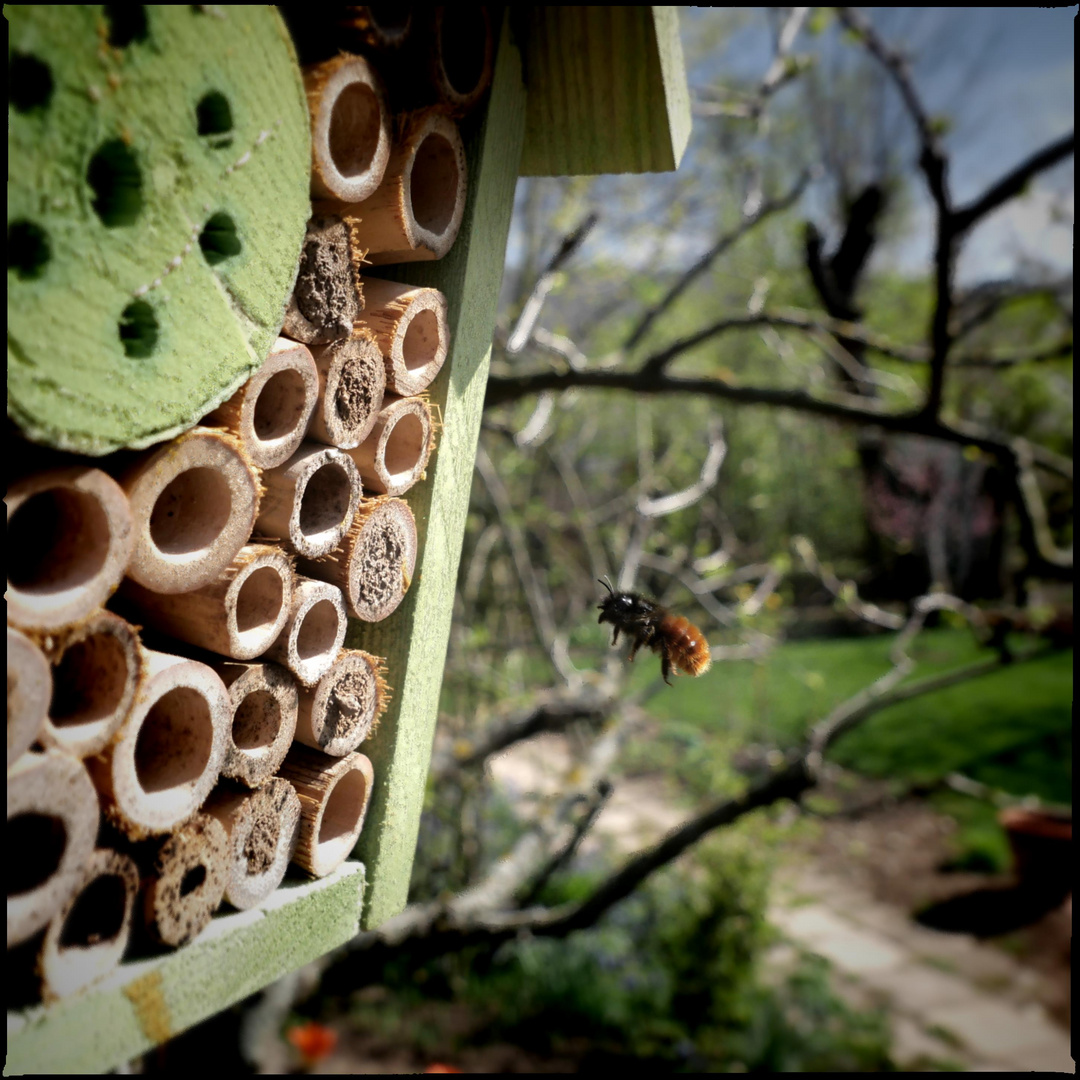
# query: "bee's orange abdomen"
{"type": "Point", "coordinates": [686, 645]}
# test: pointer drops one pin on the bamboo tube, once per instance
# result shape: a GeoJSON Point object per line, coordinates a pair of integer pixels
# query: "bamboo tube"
{"type": "Point", "coordinates": [415, 213]}
{"type": "Point", "coordinates": [194, 501]}
{"type": "Point", "coordinates": [29, 681]}
{"type": "Point", "coordinates": [97, 670]}
{"type": "Point", "coordinates": [87, 939]}
{"type": "Point", "coordinates": [460, 55]}
{"type": "Point", "coordinates": [394, 456]}
{"type": "Point", "coordinates": [344, 709]}
{"type": "Point", "coordinates": [168, 753]}
{"type": "Point", "coordinates": [271, 411]}
{"type": "Point", "coordinates": [382, 28]}
{"type": "Point", "coordinates": [310, 501]}
{"type": "Point", "coordinates": [350, 128]}
{"type": "Point", "coordinates": [52, 822]}
{"type": "Point", "coordinates": [184, 880]}
{"type": "Point", "coordinates": [374, 565]}
{"type": "Point", "coordinates": [409, 323]}
{"type": "Point", "coordinates": [70, 536]}
{"type": "Point", "coordinates": [239, 614]}
{"type": "Point", "coordinates": [352, 382]}
{"type": "Point", "coordinates": [327, 297]}
{"type": "Point", "coordinates": [321, 31]}
{"type": "Point", "coordinates": [314, 632]}
{"type": "Point", "coordinates": [334, 797]}
{"type": "Point", "coordinates": [263, 827]}
{"type": "Point", "coordinates": [264, 701]}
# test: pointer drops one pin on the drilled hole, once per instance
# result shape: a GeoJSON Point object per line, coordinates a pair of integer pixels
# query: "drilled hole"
{"type": "Point", "coordinates": [218, 239]}
{"type": "Point", "coordinates": [191, 512]}
{"type": "Point", "coordinates": [30, 82]}
{"type": "Point", "coordinates": [116, 180]}
{"type": "Point", "coordinates": [97, 915]}
{"type": "Point", "coordinates": [127, 23]}
{"type": "Point", "coordinates": [57, 540]}
{"type": "Point", "coordinates": [138, 329]}
{"type": "Point", "coordinates": [28, 249]}
{"type": "Point", "coordinates": [192, 880]}
{"type": "Point", "coordinates": [213, 117]}
{"type": "Point", "coordinates": [39, 841]}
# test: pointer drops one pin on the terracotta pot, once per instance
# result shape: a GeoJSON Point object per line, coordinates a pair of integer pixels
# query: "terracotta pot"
{"type": "Point", "coordinates": [1041, 841]}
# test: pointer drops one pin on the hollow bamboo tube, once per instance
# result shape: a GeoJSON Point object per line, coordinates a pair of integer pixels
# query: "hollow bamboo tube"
{"type": "Point", "coordinates": [460, 52]}
{"type": "Point", "coordinates": [409, 323]}
{"type": "Point", "coordinates": [352, 382]}
{"type": "Point", "coordinates": [344, 709]}
{"type": "Point", "coordinates": [327, 297]}
{"type": "Point", "coordinates": [394, 456]}
{"type": "Point", "coordinates": [310, 500]}
{"type": "Point", "coordinates": [168, 753]}
{"type": "Point", "coordinates": [350, 128]}
{"type": "Point", "coordinates": [97, 671]}
{"type": "Point", "coordinates": [52, 822]}
{"type": "Point", "coordinates": [184, 882]}
{"type": "Point", "coordinates": [381, 28]}
{"type": "Point", "coordinates": [87, 939]}
{"type": "Point", "coordinates": [334, 797]}
{"type": "Point", "coordinates": [263, 827]}
{"type": "Point", "coordinates": [374, 565]}
{"type": "Point", "coordinates": [314, 632]}
{"type": "Point", "coordinates": [264, 702]}
{"type": "Point", "coordinates": [270, 413]}
{"type": "Point", "coordinates": [70, 536]}
{"type": "Point", "coordinates": [29, 681]}
{"type": "Point", "coordinates": [416, 212]}
{"type": "Point", "coordinates": [194, 501]}
{"type": "Point", "coordinates": [239, 614]}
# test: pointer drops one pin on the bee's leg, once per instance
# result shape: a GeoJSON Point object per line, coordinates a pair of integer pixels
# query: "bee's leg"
{"type": "Point", "coordinates": [634, 648]}
{"type": "Point", "coordinates": [665, 666]}
{"type": "Point", "coordinates": [615, 636]}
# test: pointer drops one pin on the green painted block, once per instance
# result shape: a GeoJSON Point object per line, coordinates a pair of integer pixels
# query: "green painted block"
{"type": "Point", "coordinates": [415, 637]}
{"type": "Point", "coordinates": [144, 1003]}
{"type": "Point", "coordinates": [158, 188]}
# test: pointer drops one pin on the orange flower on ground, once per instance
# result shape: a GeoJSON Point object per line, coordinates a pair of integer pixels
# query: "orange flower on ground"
{"type": "Point", "coordinates": [314, 1041]}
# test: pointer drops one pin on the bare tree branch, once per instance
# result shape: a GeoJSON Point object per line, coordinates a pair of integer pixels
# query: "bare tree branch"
{"type": "Point", "coordinates": [771, 206]}
{"type": "Point", "coordinates": [680, 500]}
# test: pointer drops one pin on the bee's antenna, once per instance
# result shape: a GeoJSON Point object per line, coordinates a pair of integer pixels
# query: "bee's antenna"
{"type": "Point", "coordinates": [607, 585]}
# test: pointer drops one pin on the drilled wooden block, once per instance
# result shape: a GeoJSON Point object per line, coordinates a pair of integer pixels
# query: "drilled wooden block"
{"type": "Point", "coordinates": [159, 162]}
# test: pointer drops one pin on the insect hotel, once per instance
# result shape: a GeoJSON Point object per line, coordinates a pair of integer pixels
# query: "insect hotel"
{"type": "Point", "coordinates": [254, 257]}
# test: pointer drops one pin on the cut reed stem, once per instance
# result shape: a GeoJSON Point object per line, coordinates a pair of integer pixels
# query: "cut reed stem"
{"type": "Point", "coordinates": [29, 682]}
{"type": "Point", "coordinates": [70, 536]}
{"type": "Point", "coordinates": [394, 456]}
{"type": "Point", "coordinates": [327, 297]}
{"type": "Point", "coordinates": [314, 632]}
{"type": "Point", "coordinates": [352, 382]}
{"type": "Point", "coordinates": [344, 709]}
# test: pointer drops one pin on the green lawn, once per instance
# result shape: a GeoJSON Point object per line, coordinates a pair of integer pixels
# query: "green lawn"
{"type": "Point", "coordinates": [1010, 729]}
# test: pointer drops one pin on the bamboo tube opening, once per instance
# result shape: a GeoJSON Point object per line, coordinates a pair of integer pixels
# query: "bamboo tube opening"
{"type": "Point", "coordinates": [409, 324]}
{"type": "Point", "coordinates": [264, 701]}
{"type": "Point", "coordinates": [169, 752]}
{"type": "Point", "coordinates": [69, 540]}
{"type": "Point", "coordinates": [29, 687]}
{"type": "Point", "coordinates": [239, 614]}
{"type": "Point", "coordinates": [52, 822]}
{"type": "Point", "coordinates": [271, 411]}
{"type": "Point", "coordinates": [314, 634]}
{"type": "Point", "coordinates": [311, 499]}
{"type": "Point", "coordinates": [88, 938]}
{"type": "Point", "coordinates": [327, 297]}
{"type": "Point", "coordinates": [434, 180]}
{"type": "Point", "coordinates": [194, 503]}
{"type": "Point", "coordinates": [465, 49]}
{"type": "Point", "coordinates": [345, 707]}
{"type": "Point", "coordinates": [387, 25]}
{"type": "Point", "coordinates": [350, 130]}
{"type": "Point", "coordinates": [352, 379]}
{"type": "Point", "coordinates": [334, 797]}
{"type": "Point", "coordinates": [187, 881]}
{"type": "Point", "coordinates": [384, 560]}
{"type": "Point", "coordinates": [95, 678]}
{"type": "Point", "coordinates": [394, 456]}
{"type": "Point", "coordinates": [263, 827]}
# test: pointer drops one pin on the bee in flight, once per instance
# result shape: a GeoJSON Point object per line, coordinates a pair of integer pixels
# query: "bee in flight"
{"type": "Point", "coordinates": [681, 645]}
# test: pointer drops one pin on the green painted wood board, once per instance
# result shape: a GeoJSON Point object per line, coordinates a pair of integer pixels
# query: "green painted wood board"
{"type": "Point", "coordinates": [607, 91]}
{"type": "Point", "coordinates": [145, 1002]}
{"type": "Point", "coordinates": [414, 639]}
